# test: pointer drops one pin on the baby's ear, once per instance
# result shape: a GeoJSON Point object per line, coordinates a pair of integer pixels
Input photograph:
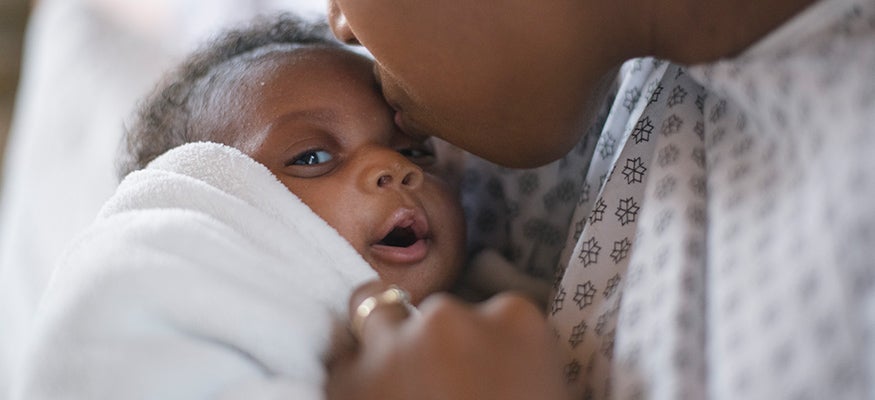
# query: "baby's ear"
{"type": "Point", "coordinates": [450, 161]}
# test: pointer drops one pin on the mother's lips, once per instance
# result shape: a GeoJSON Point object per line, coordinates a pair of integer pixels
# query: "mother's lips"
{"type": "Point", "coordinates": [399, 120]}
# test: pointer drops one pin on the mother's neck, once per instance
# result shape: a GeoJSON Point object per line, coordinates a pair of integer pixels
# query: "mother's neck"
{"type": "Point", "coordinates": [696, 31]}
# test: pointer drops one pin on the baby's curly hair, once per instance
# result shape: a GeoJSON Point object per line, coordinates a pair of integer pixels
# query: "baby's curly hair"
{"type": "Point", "coordinates": [173, 114]}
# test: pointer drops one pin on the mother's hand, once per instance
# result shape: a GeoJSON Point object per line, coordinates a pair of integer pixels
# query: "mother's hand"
{"type": "Point", "coordinates": [500, 349]}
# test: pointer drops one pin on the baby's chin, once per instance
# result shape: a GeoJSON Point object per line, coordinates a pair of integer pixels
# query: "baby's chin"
{"type": "Point", "coordinates": [418, 285]}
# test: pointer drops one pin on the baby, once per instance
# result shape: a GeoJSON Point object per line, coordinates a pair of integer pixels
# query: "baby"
{"type": "Point", "coordinates": [311, 112]}
{"type": "Point", "coordinates": [269, 179]}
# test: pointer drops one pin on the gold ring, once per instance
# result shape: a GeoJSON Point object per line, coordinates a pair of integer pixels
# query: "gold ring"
{"type": "Point", "coordinates": [392, 295]}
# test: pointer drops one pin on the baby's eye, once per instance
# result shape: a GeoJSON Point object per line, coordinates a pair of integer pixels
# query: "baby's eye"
{"type": "Point", "coordinates": [419, 155]}
{"type": "Point", "coordinates": [312, 157]}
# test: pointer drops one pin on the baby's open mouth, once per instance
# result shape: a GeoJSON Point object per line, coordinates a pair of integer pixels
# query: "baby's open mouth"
{"type": "Point", "coordinates": [406, 239]}
{"type": "Point", "coordinates": [400, 237]}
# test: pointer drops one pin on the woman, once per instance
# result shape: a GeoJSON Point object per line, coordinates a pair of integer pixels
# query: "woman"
{"type": "Point", "coordinates": [712, 285]}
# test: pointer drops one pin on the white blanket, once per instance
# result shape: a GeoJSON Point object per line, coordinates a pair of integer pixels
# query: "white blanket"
{"type": "Point", "coordinates": [86, 62]}
{"type": "Point", "coordinates": [202, 277]}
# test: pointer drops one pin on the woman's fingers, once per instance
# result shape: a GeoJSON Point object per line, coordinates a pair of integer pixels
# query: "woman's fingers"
{"type": "Point", "coordinates": [500, 349]}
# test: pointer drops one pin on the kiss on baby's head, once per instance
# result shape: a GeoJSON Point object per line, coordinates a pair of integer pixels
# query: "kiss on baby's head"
{"type": "Point", "coordinates": [310, 110]}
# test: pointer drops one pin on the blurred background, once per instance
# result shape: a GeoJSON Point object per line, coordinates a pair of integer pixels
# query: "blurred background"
{"type": "Point", "coordinates": [13, 19]}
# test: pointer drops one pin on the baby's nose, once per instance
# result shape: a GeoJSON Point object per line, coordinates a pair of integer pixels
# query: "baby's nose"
{"type": "Point", "coordinates": [388, 169]}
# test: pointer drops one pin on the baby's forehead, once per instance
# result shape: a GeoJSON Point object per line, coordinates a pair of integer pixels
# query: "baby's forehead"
{"type": "Point", "coordinates": [277, 84]}
{"type": "Point", "coordinates": [242, 78]}
{"type": "Point", "coordinates": [266, 62]}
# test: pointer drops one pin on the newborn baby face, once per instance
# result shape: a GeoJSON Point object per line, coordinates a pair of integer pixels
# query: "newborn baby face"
{"type": "Point", "coordinates": [316, 118]}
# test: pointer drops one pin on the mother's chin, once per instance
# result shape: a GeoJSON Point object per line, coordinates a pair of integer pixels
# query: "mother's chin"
{"type": "Point", "coordinates": [516, 147]}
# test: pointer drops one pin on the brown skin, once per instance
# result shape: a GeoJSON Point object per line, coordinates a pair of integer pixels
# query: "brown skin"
{"type": "Point", "coordinates": [475, 78]}
{"type": "Point", "coordinates": [439, 354]}
{"type": "Point", "coordinates": [512, 82]}
{"type": "Point", "coordinates": [316, 119]}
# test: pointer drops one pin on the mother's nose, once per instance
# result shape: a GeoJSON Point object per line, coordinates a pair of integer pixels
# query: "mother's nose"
{"type": "Point", "coordinates": [387, 169]}
{"type": "Point", "coordinates": [339, 25]}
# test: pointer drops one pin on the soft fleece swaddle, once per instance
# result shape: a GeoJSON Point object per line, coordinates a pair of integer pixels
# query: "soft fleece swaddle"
{"type": "Point", "coordinates": [202, 277]}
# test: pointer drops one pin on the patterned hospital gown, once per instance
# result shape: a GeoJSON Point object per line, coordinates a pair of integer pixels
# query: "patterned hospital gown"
{"type": "Point", "coordinates": [715, 230]}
